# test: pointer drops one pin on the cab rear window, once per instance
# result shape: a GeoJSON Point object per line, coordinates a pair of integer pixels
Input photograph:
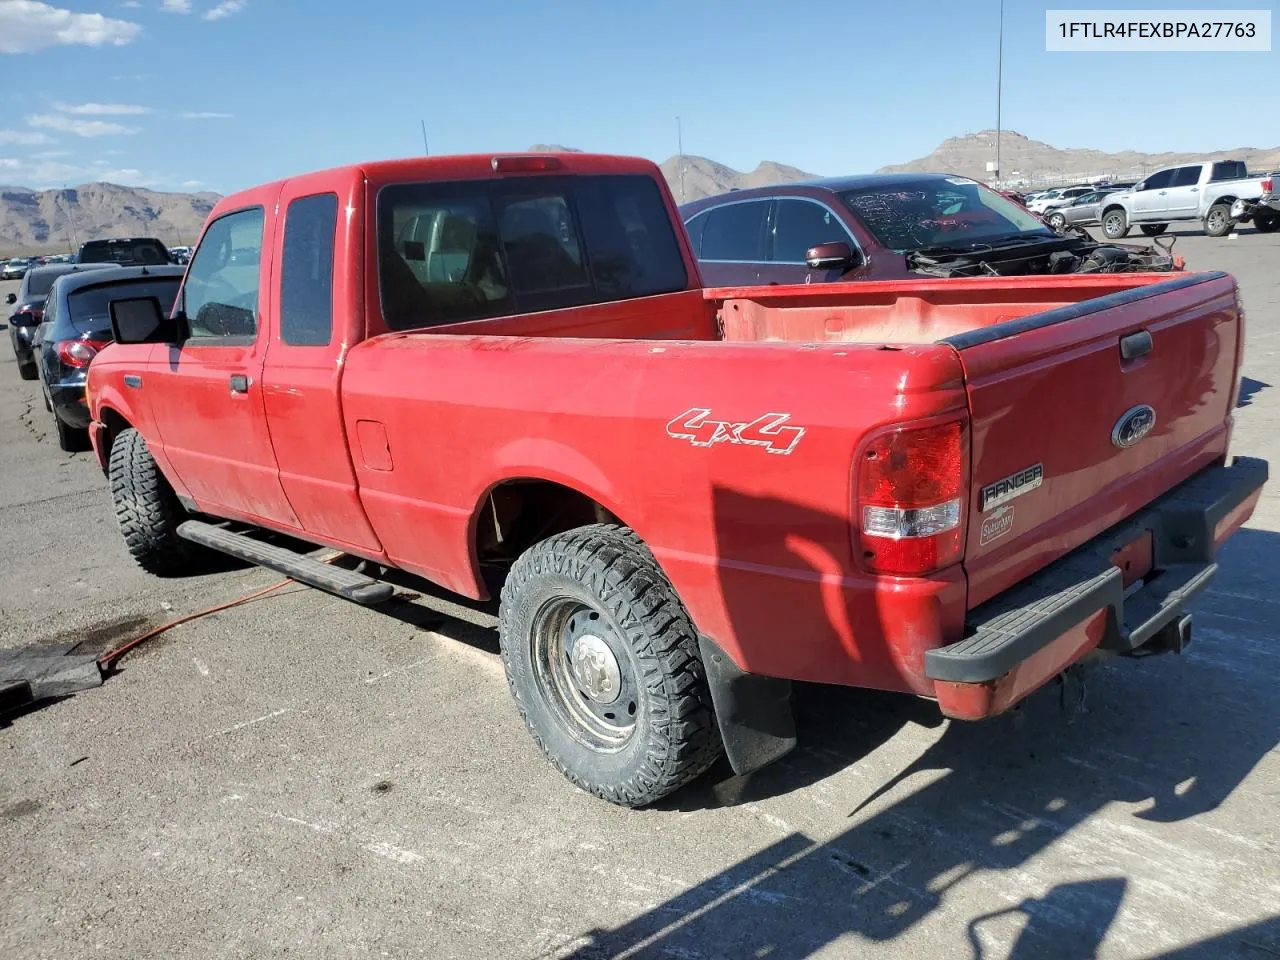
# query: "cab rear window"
{"type": "Point", "coordinates": [456, 251]}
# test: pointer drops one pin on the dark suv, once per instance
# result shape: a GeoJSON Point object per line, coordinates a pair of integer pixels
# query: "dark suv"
{"type": "Point", "coordinates": [27, 309]}
{"type": "Point", "coordinates": [125, 251]}
{"type": "Point", "coordinates": [77, 325]}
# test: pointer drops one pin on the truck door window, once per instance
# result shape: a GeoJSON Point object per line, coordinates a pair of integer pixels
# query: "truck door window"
{"type": "Point", "coordinates": [801, 224]}
{"type": "Point", "coordinates": [306, 271]}
{"type": "Point", "coordinates": [735, 232]}
{"type": "Point", "coordinates": [1185, 177]}
{"type": "Point", "coordinates": [1159, 180]}
{"type": "Point", "coordinates": [220, 293]}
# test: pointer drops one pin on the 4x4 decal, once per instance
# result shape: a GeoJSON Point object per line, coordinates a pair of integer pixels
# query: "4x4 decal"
{"type": "Point", "coordinates": [768, 431]}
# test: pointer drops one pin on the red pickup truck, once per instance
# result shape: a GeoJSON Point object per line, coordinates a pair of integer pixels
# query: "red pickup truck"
{"type": "Point", "coordinates": [502, 374]}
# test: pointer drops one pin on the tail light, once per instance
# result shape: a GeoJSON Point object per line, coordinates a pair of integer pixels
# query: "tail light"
{"type": "Point", "coordinates": [911, 498]}
{"type": "Point", "coordinates": [78, 353]}
{"type": "Point", "coordinates": [1267, 185]}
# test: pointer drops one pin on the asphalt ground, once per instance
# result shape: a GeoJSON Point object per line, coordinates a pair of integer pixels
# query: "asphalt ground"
{"type": "Point", "coordinates": [300, 776]}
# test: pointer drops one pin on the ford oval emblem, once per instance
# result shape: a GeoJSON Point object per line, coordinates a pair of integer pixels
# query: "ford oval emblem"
{"type": "Point", "coordinates": [1133, 426]}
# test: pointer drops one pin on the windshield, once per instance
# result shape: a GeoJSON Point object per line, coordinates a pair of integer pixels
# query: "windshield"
{"type": "Point", "coordinates": [940, 211]}
{"type": "Point", "coordinates": [39, 282]}
{"type": "Point", "coordinates": [124, 251]}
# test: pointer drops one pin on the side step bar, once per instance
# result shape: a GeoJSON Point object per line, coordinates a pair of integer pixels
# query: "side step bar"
{"type": "Point", "coordinates": [347, 584]}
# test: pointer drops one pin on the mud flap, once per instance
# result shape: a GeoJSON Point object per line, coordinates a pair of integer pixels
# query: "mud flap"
{"type": "Point", "coordinates": [754, 713]}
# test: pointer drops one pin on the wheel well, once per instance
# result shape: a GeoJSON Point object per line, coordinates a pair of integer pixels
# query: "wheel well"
{"type": "Point", "coordinates": [114, 423]}
{"type": "Point", "coordinates": [1227, 200]}
{"type": "Point", "coordinates": [1114, 206]}
{"type": "Point", "coordinates": [518, 513]}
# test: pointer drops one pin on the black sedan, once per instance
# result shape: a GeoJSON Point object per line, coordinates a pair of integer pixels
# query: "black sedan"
{"type": "Point", "coordinates": [77, 325]}
{"type": "Point", "coordinates": [28, 308]}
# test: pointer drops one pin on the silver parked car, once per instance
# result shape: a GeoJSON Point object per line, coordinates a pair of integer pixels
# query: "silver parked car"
{"type": "Point", "coordinates": [1082, 211]}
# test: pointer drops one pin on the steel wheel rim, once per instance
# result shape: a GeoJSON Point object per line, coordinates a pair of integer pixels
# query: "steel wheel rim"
{"type": "Point", "coordinates": [585, 672]}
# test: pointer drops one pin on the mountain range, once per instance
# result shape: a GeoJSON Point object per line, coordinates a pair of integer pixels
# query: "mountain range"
{"type": "Point", "coordinates": [52, 220]}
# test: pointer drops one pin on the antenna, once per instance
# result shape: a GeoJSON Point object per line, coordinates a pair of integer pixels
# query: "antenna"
{"type": "Point", "coordinates": [425, 151]}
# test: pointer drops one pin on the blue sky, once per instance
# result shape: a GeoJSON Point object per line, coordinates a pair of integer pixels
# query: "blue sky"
{"type": "Point", "coordinates": [223, 94]}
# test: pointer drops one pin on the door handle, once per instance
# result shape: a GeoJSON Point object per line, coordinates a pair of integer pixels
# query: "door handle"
{"type": "Point", "coordinates": [1195, 189]}
{"type": "Point", "coordinates": [1135, 345]}
{"type": "Point", "coordinates": [239, 383]}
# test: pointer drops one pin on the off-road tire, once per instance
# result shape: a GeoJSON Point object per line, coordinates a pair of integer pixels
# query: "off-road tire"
{"type": "Point", "coordinates": [1268, 223]}
{"type": "Point", "coordinates": [610, 570]}
{"type": "Point", "coordinates": [1218, 222]}
{"type": "Point", "coordinates": [147, 509]}
{"type": "Point", "coordinates": [1115, 224]}
{"type": "Point", "coordinates": [1153, 229]}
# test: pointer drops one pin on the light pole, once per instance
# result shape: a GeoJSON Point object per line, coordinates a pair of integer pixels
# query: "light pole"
{"type": "Point", "coordinates": [680, 157]}
{"type": "Point", "coordinates": [999, 86]}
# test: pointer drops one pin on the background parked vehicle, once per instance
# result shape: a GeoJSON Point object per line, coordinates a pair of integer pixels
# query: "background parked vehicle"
{"type": "Point", "coordinates": [1051, 197]}
{"type": "Point", "coordinates": [125, 251]}
{"type": "Point", "coordinates": [1196, 191]}
{"type": "Point", "coordinates": [180, 254]}
{"type": "Point", "coordinates": [1082, 211]}
{"type": "Point", "coordinates": [76, 326]}
{"type": "Point", "coordinates": [28, 311]}
{"type": "Point", "coordinates": [886, 227]}
{"type": "Point", "coordinates": [15, 269]}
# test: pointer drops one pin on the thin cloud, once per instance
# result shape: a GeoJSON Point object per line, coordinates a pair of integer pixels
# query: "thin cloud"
{"type": "Point", "coordinates": [27, 26]}
{"type": "Point", "coordinates": [192, 184]}
{"type": "Point", "coordinates": [206, 115]}
{"type": "Point", "coordinates": [102, 109]}
{"type": "Point", "coordinates": [133, 4]}
{"type": "Point", "coordinates": [225, 9]}
{"type": "Point", "coordinates": [81, 128]}
{"type": "Point", "coordinates": [25, 138]}
{"type": "Point", "coordinates": [176, 6]}
{"type": "Point", "coordinates": [50, 154]}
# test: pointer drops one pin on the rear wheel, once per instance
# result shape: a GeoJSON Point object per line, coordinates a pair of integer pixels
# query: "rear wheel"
{"type": "Point", "coordinates": [1154, 229]}
{"type": "Point", "coordinates": [1115, 224]}
{"type": "Point", "coordinates": [28, 371]}
{"type": "Point", "coordinates": [1267, 223]}
{"type": "Point", "coordinates": [603, 663]}
{"type": "Point", "coordinates": [147, 509]}
{"type": "Point", "coordinates": [1218, 222]}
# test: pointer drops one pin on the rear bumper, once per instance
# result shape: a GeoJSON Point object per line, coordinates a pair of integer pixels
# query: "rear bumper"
{"type": "Point", "coordinates": [68, 401]}
{"type": "Point", "coordinates": [1030, 634]}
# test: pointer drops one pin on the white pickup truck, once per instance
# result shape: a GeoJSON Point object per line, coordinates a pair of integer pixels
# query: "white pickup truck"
{"type": "Point", "coordinates": [1193, 191]}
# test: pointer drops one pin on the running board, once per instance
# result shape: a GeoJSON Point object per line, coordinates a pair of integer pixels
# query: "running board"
{"type": "Point", "coordinates": [347, 584]}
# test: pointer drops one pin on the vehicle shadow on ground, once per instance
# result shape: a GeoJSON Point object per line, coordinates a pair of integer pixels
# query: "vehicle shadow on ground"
{"type": "Point", "coordinates": [1159, 741]}
{"type": "Point", "coordinates": [1249, 387]}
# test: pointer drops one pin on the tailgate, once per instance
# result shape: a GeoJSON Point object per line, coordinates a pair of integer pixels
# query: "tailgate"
{"type": "Point", "coordinates": [1085, 414]}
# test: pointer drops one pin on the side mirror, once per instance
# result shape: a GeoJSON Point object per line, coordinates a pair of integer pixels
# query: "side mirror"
{"type": "Point", "coordinates": [831, 256]}
{"type": "Point", "coordinates": [24, 319]}
{"type": "Point", "coordinates": [142, 320]}
{"type": "Point", "coordinates": [11, 298]}
{"type": "Point", "coordinates": [1139, 186]}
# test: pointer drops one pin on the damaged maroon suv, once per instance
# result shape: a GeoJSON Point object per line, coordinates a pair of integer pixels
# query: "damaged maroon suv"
{"type": "Point", "coordinates": [890, 227]}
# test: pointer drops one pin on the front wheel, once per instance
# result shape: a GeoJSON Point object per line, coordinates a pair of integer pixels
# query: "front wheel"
{"type": "Point", "coordinates": [602, 661]}
{"type": "Point", "coordinates": [28, 371]}
{"type": "Point", "coordinates": [1218, 222]}
{"type": "Point", "coordinates": [1115, 224]}
{"type": "Point", "coordinates": [147, 509]}
{"type": "Point", "coordinates": [1056, 221]}
{"type": "Point", "coordinates": [1154, 229]}
{"type": "Point", "coordinates": [1268, 223]}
